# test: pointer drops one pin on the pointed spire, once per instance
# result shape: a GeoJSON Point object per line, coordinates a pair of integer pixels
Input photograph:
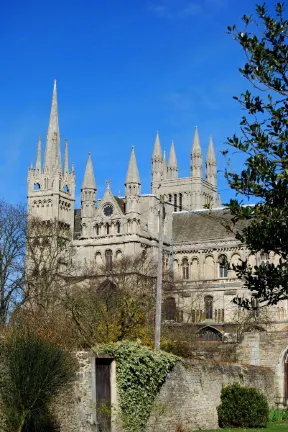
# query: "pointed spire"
{"type": "Point", "coordinates": [38, 158]}
{"type": "Point", "coordinates": [66, 167]}
{"type": "Point", "coordinates": [89, 179]}
{"type": "Point", "coordinates": [52, 153]}
{"type": "Point", "coordinates": [164, 166]}
{"type": "Point", "coordinates": [132, 173]}
{"type": "Point", "coordinates": [196, 148]}
{"type": "Point", "coordinates": [172, 157]}
{"type": "Point", "coordinates": [157, 152]}
{"type": "Point", "coordinates": [211, 153]}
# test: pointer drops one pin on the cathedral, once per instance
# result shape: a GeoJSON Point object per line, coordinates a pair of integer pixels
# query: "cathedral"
{"type": "Point", "coordinates": [197, 245]}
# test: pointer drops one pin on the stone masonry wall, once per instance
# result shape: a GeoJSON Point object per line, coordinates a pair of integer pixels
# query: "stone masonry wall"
{"type": "Point", "coordinates": [191, 394]}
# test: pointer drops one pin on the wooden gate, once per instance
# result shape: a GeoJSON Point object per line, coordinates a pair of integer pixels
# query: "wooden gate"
{"type": "Point", "coordinates": [103, 394]}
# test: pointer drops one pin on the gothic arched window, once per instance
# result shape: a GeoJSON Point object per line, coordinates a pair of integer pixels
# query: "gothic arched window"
{"type": "Point", "coordinates": [97, 229]}
{"type": "Point", "coordinates": [118, 227]}
{"type": "Point", "coordinates": [223, 266]}
{"type": "Point", "coordinates": [208, 302]}
{"type": "Point", "coordinates": [185, 268]}
{"type": "Point", "coordinates": [175, 203]}
{"type": "Point", "coordinates": [180, 202]}
{"type": "Point", "coordinates": [108, 258]}
{"type": "Point", "coordinates": [170, 309]}
{"type": "Point", "coordinates": [107, 228]}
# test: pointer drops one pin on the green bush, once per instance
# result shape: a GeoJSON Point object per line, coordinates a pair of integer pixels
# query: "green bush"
{"type": "Point", "coordinates": [242, 407]}
{"type": "Point", "coordinates": [33, 373]}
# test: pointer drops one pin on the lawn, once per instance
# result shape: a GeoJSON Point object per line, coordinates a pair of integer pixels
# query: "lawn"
{"type": "Point", "coordinates": [272, 427]}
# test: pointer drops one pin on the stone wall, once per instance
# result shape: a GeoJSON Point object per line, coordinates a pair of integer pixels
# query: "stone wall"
{"type": "Point", "coordinates": [191, 394]}
{"type": "Point", "coordinates": [266, 349]}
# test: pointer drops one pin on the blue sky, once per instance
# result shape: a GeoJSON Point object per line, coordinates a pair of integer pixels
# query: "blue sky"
{"type": "Point", "coordinates": [124, 69]}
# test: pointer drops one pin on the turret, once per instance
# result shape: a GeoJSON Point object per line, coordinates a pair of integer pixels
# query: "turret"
{"type": "Point", "coordinates": [157, 165]}
{"type": "Point", "coordinates": [88, 191]}
{"type": "Point", "coordinates": [172, 169]}
{"type": "Point", "coordinates": [211, 167]}
{"type": "Point", "coordinates": [132, 185]}
{"type": "Point", "coordinates": [196, 157]}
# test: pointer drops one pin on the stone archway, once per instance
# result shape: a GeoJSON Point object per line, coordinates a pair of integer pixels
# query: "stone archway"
{"type": "Point", "coordinates": [281, 375]}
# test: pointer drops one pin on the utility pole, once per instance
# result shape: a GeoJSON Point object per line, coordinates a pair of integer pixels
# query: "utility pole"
{"type": "Point", "coordinates": [159, 274]}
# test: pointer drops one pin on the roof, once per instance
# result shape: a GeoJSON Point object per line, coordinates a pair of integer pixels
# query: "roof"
{"type": "Point", "coordinates": [121, 203]}
{"type": "Point", "coordinates": [205, 225]}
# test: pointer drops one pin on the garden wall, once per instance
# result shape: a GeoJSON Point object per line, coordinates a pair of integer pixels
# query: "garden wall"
{"type": "Point", "coordinates": [190, 395]}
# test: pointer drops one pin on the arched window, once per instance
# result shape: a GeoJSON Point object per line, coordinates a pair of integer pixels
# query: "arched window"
{"type": "Point", "coordinates": [97, 229]}
{"type": "Point", "coordinates": [223, 266]}
{"type": "Point", "coordinates": [108, 258]}
{"type": "Point", "coordinates": [170, 198]}
{"type": "Point", "coordinates": [180, 202]}
{"type": "Point", "coordinates": [107, 228]}
{"type": "Point", "coordinates": [170, 309]}
{"type": "Point", "coordinates": [210, 334]}
{"type": "Point", "coordinates": [118, 227]}
{"type": "Point", "coordinates": [208, 301]}
{"type": "Point", "coordinates": [185, 268]}
{"type": "Point", "coordinates": [66, 189]}
{"type": "Point", "coordinates": [36, 186]}
{"type": "Point", "coordinates": [175, 203]}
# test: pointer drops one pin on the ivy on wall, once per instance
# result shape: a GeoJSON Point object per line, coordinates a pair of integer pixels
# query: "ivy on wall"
{"type": "Point", "coordinates": [141, 372]}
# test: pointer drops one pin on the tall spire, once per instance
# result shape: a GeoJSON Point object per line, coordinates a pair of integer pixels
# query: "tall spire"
{"type": "Point", "coordinates": [172, 163]}
{"type": "Point", "coordinates": [164, 166]}
{"type": "Point", "coordinates": [132, 173]}
{"type": "Point", "coordinates": [211, 168]}
{"type": "Point", "coordinates": [52, 153]}
{"type": "Point", "coordinates": [66, 166]}
{"type": "Point", "coordinates": [196, 142]}
{"type": "Point", "coordinates": [211, 153]}
{"type": "Point", "coordinates": [172, 157]}
{"type": "Point", "coordinates": [38, 159]}
{"type": "Point", "coordinates": [196, 157]}
{"type": "Point", "coordinates": [157, 152]}
{"type": "Point", "coordinates": [89, 179]}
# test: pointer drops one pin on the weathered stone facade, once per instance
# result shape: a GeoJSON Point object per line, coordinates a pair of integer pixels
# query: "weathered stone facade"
{"type": "Point", "coordinates": [195, 242]}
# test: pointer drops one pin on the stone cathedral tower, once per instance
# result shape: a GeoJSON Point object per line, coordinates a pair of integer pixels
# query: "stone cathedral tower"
{"type": "Point", "coordinates": [51, 187]}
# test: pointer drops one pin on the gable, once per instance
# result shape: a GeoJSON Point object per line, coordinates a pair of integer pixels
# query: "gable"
{"type": "Point", "coordinates": [110, 206]}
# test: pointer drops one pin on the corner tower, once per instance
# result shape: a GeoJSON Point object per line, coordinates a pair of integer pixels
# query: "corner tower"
{"type": "Point", "coordinates": [51, 189]}
{"type": "Point", "coordinates": [132, 186]}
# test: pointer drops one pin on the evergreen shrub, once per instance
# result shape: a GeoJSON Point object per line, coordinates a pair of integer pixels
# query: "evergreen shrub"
{"type": "Point", "coordinates": [242, 407]}
{"type": "Point", "coordinates": [33, 371]}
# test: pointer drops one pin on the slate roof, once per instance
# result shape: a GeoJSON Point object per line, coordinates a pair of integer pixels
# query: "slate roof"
{"type": "Point", "coordinates": [206, 225]}
{"type": "Point", "coordinates": [121, 203]}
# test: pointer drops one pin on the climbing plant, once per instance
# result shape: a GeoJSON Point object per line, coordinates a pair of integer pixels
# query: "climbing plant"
{"type": "Point", "coordinates": [141, 372]}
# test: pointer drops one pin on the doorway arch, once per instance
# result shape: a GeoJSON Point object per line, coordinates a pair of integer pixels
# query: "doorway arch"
{"type": "Point", "coordinates": [282, 378]}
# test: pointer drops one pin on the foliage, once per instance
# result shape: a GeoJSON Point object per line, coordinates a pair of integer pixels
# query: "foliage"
{"type": "Point", "coordinates": [12, 259]}
{"type": "Point", "coordinates": [140, 373]}
{"type": "Point", "coordinates": [277, 415]}
{"type": "Point", "coordinates": [242, 407]}
{"type": "Point", "coordinates": [114, 304]}
{"type": "Point", "coordinates": [264, 144]}
{"type": "Point", "coordinates": [34, 371]}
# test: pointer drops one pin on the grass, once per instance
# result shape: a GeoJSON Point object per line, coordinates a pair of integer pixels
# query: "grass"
{"type": "Point", "coordinates": [272, 427]}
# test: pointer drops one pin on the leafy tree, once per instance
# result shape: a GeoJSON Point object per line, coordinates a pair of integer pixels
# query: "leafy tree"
{"type": "Point", "coordinates": [33, 373]}
{"type": "Point", "coordinates": [264, 143]}
{"type": "Point", "coordinates": [12, 259]}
